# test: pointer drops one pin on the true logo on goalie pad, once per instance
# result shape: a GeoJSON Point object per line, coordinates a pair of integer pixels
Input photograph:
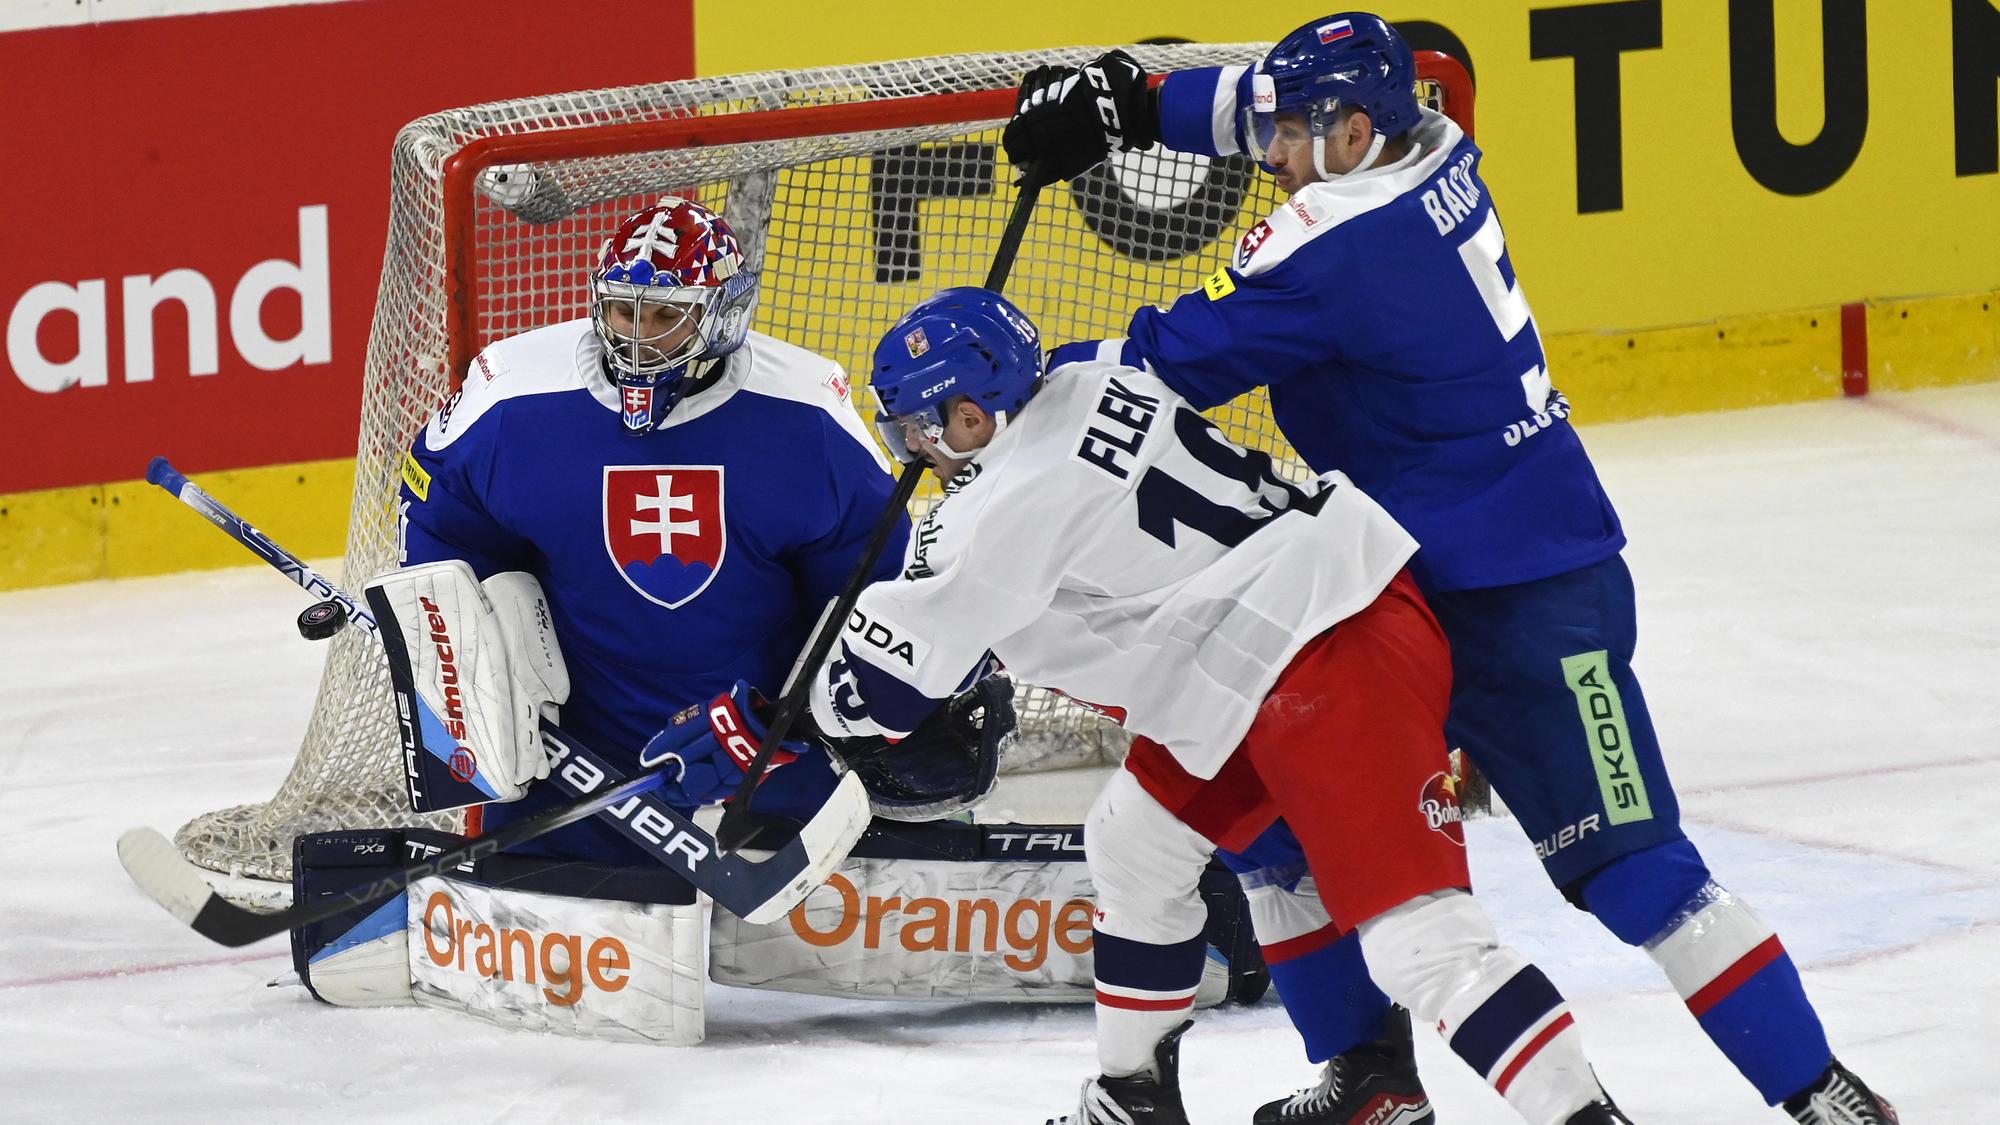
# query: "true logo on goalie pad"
{"type": "Point", "coordinates": [665, 530]}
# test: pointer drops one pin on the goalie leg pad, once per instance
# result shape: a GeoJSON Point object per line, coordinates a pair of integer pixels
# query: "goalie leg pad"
{"type": "Point", "coordinates": [361, 958]}
{"type": "Point", "coordinates": [592, 950]}
{"type": "Point", "coordinates": [962, 912]}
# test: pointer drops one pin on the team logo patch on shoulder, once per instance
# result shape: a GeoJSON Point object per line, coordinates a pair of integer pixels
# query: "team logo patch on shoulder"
{"type": "Point", "coordinates": [917, 343]}
{"type": "Point", "coordinates": [415, 476]}
{"type": "Point", "coordinates": [664, 529]}
{"type": "Point", "coordinates": [1219, 284]}
{"type": "Point", "coordinates": [837, 380]}
{"type": "Point", "coordinates": [1253, 238]}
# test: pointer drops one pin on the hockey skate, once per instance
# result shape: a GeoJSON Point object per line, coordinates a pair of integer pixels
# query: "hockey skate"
{"type": "Point", "coordinates": [1839, 1098]}
{"type": "Point", "coordinates": [1599, 1113]}
{"type": "Point", "coordinates": [1376, 1083]}
{"type": "Point", "coordinates": [1140, 1099]}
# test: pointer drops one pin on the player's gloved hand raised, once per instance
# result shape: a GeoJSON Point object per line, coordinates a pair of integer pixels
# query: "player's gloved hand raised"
{"type": "Point", "coordinates": [1066, 119]}
{"type": "Point", "coordinates": [713, 747]}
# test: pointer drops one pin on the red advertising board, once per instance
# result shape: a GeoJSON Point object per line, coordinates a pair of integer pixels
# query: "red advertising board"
{"type": "Point", "coordinates": [196, 208]}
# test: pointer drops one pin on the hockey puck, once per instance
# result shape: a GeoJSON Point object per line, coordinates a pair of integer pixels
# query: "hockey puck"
{"type": "Point", "coordinates": [322, 620]}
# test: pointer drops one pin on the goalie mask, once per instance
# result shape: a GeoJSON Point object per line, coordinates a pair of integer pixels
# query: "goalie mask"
{"type": "Point", "coordinates": [946, 766]}
{"type": "Point", "coordinates": [671, 294]}
{"type": "Point", "coordinates": [1347, 61]}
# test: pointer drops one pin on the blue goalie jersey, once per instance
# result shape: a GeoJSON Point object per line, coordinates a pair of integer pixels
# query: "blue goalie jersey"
{"type": "Point", "coordinates": [675, 561]}
{"type": "Point", "coordinates": [1382, 311]}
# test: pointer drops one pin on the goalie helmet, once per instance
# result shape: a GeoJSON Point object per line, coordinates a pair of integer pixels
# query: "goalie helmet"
{"type": "Point", "coordinates": [1351, 60]}
{"type": "Point", "coordinates": [962, 341]}
{"type": "Point", "coordinates": [671, 294]}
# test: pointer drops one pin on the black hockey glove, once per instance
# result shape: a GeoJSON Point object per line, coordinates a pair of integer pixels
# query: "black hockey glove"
{"type": "Point", "coordinates": [945, 766]}
{"type": "Point", "coordinates": [1066, 119]}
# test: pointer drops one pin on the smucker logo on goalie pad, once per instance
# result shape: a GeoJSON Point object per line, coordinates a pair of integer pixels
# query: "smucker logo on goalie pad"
{"type": "Point", "coordinates": [664, 529]}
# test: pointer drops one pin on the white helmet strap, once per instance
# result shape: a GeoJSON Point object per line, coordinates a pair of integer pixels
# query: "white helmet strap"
{"type": "Point", "coordinates": [1367, 162]}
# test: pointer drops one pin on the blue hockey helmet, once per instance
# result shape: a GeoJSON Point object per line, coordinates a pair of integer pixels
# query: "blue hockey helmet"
{"type": "Point", "coordinates": [962, 341]}
{"type": "Point", "coordinates": [1350, 60]}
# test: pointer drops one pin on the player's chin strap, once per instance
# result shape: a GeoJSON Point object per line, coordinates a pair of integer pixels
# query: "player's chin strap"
{"type": "Point", "coordinates": [999, 424]}
{"type": "Point", "coordinates": [1367, 162]}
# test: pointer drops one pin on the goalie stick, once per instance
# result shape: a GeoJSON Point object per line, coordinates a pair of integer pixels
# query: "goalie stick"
{"type": "Point", "coordinates": [736, 826]}
{"type": "Point", "coordinates": [755, 890]}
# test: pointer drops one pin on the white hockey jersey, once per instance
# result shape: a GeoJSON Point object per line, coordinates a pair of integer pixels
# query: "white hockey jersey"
{"type": "Point", "coordinates": [1112, 544]}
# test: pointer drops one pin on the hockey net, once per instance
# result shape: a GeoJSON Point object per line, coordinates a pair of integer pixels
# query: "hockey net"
{"type": "Point", "coordinates": [860, 190]}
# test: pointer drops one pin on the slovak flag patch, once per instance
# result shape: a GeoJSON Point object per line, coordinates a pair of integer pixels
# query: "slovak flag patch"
{"type": "Point", "coordinates": [1336, 31]}
{"type": "Point", "coordinates": [1252, 239]}
{"type": "Point", "coordinates": [664, 529]}
{"type": "Point", "coordinates": [638, 403]}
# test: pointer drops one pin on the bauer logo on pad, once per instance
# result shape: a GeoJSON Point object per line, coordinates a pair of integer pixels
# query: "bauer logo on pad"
{"type": "Point", "coordinates": [1335, 31]}
{"type": "Point", "coordinates": [917, 343]}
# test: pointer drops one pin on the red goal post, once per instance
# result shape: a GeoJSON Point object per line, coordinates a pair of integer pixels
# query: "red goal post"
{"type": "Point", "coordinates": [858, 190]}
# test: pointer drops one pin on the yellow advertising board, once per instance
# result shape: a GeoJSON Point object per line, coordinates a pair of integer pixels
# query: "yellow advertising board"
{"type": "Point", "coordinates": [1655, 163]}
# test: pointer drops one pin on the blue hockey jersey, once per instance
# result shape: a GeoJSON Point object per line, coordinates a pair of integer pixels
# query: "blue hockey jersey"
{"type": "Point", "coordinates": [675, 561]}
{"type": "Point", "coordinates": [1382, 311]}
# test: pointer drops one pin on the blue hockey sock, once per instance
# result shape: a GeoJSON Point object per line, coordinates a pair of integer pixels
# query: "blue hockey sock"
{"type": "Point", "coordinates": [1326, 991]}
{"type": "Point", "coordinates": [1724, 960]}
{"type": "Point", "coordinates": [1318, 972]}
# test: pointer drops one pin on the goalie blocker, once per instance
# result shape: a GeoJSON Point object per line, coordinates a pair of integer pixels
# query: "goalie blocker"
{"type": "Point", "coordinates": [474, 667]}
{"type": "Point", "coordinates": [950, 912]}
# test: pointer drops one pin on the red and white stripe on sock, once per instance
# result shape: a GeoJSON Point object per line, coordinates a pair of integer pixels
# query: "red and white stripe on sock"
{"type": "Point", "coordinates": [1713, 947]}
{"type": "Point", "coordinates": [1144, 990]}
{"type": "Point", "coordinates": [1521, 1037]}
{"type": "Point", "coordinates": [1289, 919]}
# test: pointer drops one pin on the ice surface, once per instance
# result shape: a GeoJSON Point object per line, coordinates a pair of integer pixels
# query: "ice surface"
{"type": "Point", "coordinates": [1819, 593]}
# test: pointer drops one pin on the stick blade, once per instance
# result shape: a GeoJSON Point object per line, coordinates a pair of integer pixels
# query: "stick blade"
{"type": "Point", "coordinates": [826, 838]}
{"type": "Point", "coordinates": [158, 868]}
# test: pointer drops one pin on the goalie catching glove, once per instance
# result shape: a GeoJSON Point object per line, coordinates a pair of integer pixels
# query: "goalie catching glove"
{"type": "Point", "coordinates": [474, 666]}
{"type": "Point", "coordinates": [946, 766]}
{"type": "Point", "coordinates": [1067, 119]}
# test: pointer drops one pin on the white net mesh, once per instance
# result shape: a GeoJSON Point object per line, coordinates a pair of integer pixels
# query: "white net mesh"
{"type": "Point", "coordinates": [908, 195]}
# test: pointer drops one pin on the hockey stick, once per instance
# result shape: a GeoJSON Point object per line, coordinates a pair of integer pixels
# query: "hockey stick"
{"type": "Point", "coordinates": [736, 826]}
{"type": "Point", "coordinates": [757, 891]}
{"type": "Point", "coordinates": [161, 472]}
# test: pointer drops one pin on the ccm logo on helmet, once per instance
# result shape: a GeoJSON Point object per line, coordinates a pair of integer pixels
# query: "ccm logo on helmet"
{"type": "Point", "coordinates": [892, 641]}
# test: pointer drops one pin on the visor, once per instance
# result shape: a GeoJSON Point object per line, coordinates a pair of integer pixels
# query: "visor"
{"type": "Point", "coordinates": [1260, 117]}
{"type": "Point", "coordinates": [643, 349]}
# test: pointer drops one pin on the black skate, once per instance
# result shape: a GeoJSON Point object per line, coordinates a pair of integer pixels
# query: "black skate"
{"type": "Point", "coordinates": [1839, 1098]}
{"type": "Point", "coordinates": [1140, 1099]}
{"type": "Point", "coordinates": [1374, 1083]}
{"type": "Point", "coordinates": [1599, 1113]}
